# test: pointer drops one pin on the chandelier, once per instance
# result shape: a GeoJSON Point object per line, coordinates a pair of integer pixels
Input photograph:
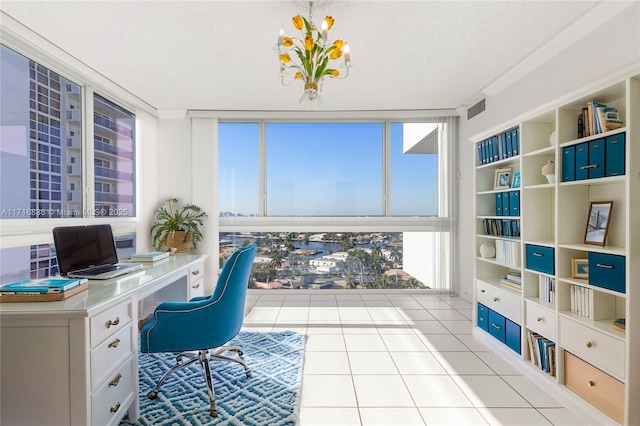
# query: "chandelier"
{"type": "Point", "coordinates": [311, 56]}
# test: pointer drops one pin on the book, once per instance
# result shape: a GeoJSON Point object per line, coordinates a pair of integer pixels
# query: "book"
{"type": "Point", "coordinates": [552, 360]}
{"type": "Point", "coordinates": [42, 286]}
{"type": "Point", "coordinates": [150, 256]}
{"type": "Point", "coordinates": [619, 325]}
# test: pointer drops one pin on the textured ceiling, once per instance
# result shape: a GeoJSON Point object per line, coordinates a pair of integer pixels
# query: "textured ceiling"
{"type": "Point", "coordinates": [220, 54]}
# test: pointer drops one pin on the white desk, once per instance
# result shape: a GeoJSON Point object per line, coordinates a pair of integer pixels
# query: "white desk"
{"type": "Point", "coordinates": [74, 362]}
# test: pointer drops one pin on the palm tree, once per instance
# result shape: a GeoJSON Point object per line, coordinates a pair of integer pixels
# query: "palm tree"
{"type": "Point", "coordinates": [396, 258]}
{"type": "Point", "coordinates": [362, 259]}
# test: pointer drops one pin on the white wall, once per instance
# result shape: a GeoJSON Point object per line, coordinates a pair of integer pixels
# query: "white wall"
{"type": "Point", "coordinates": [608, 48]}
{"type": "Point", "coordinates": [187, 170]}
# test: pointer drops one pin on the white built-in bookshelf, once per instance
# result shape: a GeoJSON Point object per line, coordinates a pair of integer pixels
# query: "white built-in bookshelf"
{"type": "Point", "coordinates": [553, 317]}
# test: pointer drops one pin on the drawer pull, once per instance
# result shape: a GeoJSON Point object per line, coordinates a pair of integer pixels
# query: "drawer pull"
{"type": "Point", "coordinates": [497, 327]}
{"type": "Point", "coordinates": [114, 322]}
{"type": "Point", "coordinates": [115, 408]}
{"type": "Point", "coordinates": [605, 266]}
{"type": "Point", "coordinates": [196, 272]}
{"type": "Point", "coordinates": [495, 299]}
{"type": "Point", "coordinates": [589, 344]}
{"type": "Point", "coordinates": [536, 254]}
{"type": "Point", "coordinates": [590, 166]}
{"type": "Point", "coordinates": [114, 344]}
{"type": "Point", "coordinates": [590, 383]}
{"type": "Point", "coordinates": [115, 381]}
{"type": "Point", "coordinates": [539, 319]}
{"type": "Point", "coordinates": [196, 286]}
{"type": "Point", "coordinates": [482, 291]}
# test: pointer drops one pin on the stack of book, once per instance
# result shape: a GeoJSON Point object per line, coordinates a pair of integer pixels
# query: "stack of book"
{"type": "Point", "coordinates": [42, 290]}
{"type": "Point", "coordinates": [542, 352]}
{"type": "Point", "coordinates": [152, 256]}
{"type": "Point", "coordinates": [619, 325]}
{"type": "Point", "coordinates": [581, 300]}
{"type": "Point", "coordinates": [597, 118]}
{"type": "Point", "coordinates": [512, 281]}
{"type": "Point", "coordinates": [546, 289]}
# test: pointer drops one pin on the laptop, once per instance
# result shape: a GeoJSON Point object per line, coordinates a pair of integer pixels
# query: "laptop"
{"type": "Point", "coordinates": [89, 251]}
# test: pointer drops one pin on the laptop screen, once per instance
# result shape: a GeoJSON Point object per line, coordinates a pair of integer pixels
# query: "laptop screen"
{"type": "Point", "coordinates": [80, 247]}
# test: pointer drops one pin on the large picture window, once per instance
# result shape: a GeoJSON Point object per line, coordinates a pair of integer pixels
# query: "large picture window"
{"type": "Point", "coordinates": [338, 205]}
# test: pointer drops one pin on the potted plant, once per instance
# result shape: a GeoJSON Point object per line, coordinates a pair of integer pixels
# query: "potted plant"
{"type": "Point", "coordinates": [177, 227]}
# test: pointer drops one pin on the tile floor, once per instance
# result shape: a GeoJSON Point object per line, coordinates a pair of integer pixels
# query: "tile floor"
{"type": "Point", "coordinates": [401, 359]}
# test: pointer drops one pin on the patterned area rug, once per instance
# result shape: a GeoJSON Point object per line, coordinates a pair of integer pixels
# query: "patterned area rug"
{"type": "Point", "coordinates": [271, 396]}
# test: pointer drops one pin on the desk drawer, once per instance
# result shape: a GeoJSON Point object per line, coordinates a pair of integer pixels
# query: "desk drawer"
{"type": "Point", "coordinates": [196, 272]}
{"type": "Point", "coordinates": [497, 326]}
{"type": "Point", "coordinates": [110, 321]}
{"type": "Point", "coordinates": [607, 271]}
{"type": "Point", "coordinates": [540, 259]}
{"type": "Point", "coordinates": [541, 320]}
{"type": "Point", "coordinates": [106, 356]}
{"type": "Point", "coordinates": [108, 402]}
{"type": "Point", "coordinates": [500, 301]}
{"type": "Point", "coordinates": [597, 387]}
{"type": "Point", "coordinates": [602, 350]}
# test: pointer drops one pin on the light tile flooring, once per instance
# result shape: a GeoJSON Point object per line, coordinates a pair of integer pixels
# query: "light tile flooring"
{"type": "Point", "coordinates": [401, 359]}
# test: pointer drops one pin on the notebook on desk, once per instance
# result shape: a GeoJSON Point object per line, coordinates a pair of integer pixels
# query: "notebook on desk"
{"type": "Point", "coordinates": [89, 251]}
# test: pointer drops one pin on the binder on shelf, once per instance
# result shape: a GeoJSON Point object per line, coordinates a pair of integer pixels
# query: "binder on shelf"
{"type": "Point", "coordinates": [568, 163]}
{"type": "Point", "coordinates": [514, 203]}
{"type": "Point", "coordinates": [42, 286]}
{"type": "Point", "coordinates": [505, 204]}
{"type": "Point", "coordinates": [151, 256]}
{"type": "Point", "coordinates": [480, 159]}
{"type": "Point", "coordinates": [509, 145]}
{"type": "Point", "coordinates": [496, 151]}
{"type": "Point", "coordinates": [498, 203]}
{"type": "Point", "coordinates": [515, 142]}
{"type": "Point", "coordinates": [503, 142]}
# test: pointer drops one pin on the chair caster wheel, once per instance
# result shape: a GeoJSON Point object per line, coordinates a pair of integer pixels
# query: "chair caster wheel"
{"type": "Point", "coordinates": [152, 395]}
{"type": "Point", "coordinates": [248, 373]}
{"type": "Point", "coordinates": [213, 413]}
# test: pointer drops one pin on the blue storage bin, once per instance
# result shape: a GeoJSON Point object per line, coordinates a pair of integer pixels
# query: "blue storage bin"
{"type": "Point", "coordinates": [497, 325]}
{"type": "Point", "coordinates": [607, 271]}
{"type": "Point", "coordinates": [614, 155]}
{"type": "Point", "coordinates": [596, 158]}
{"type": "Point", "coordinates": [539, 258]}
{"type": "Point", "coordinates": [568, 163]}
{"type": "Point", "coordinates": [582, 161]}
{"type": "Point", "coordinates": [512, 335]}
{"type": "Point", "coordinates": [483, 317]}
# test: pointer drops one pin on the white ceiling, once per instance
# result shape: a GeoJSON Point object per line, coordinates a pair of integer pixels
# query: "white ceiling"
{"type": "Point", "coordinates": [219, 55]}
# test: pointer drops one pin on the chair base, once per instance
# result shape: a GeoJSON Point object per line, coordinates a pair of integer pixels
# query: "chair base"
{"type": "Point", "coordinates": [204, 356]}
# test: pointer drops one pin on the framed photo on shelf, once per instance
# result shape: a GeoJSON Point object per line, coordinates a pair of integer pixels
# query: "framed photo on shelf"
{"type": "Point", "coordinates": [598, 222]}
{"type": "Point", "coordinates": [580, 268]}
{"type": "Point", "coordinates": [516, 180]}
{"type": "Point", "coordinates": [502, 178]}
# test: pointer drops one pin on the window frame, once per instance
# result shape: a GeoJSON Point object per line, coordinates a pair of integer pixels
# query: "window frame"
{"type": "Point", "coordinates": [383, 223]}
{"type": "Point", "coordinates": [36, 231]}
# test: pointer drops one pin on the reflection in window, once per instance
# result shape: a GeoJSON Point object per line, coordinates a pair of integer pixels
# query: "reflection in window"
{"type": "Point", "coordinates": [40, 111]}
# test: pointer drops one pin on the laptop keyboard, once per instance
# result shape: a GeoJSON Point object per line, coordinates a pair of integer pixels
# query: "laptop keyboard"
{"type": "Point", "coordinates": [101, 270]}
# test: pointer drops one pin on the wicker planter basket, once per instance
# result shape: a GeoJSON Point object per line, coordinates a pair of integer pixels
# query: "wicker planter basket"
{"type": "Point", "coordinates": [180, 240]}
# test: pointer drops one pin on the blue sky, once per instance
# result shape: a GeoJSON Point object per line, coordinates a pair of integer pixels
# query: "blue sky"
{"type": "Point", "coordinates": [323, 169]}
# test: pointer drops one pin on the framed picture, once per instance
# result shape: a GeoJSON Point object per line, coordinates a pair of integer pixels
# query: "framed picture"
{"type": "Point", "coordinates": [502, 178]}
{"type": "Point", "coordinates": [580, 268]}
{"type": "Point", "coordinates": [598, 222]}
{"type": "Point", "coordinates": [516, 180]}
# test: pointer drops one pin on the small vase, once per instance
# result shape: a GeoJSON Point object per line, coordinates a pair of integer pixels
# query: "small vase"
{"type": "Point", "coordinates": [487, 250]}
{"type": "Point", "coordinates": [549, 171]}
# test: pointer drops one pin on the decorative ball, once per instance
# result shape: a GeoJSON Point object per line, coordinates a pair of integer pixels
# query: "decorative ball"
{"type": "Point", "coordinates": [487, 250]}
{"type": "Point", "coordinates": [553, 139]}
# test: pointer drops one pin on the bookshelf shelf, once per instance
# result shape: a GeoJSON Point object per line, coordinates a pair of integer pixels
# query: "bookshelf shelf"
{"type": "Point", "coordinates": [571, 313]}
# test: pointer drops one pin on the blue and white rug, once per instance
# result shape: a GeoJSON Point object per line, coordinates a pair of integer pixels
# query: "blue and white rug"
{"type": "Point", "coordinates": [271, 396]}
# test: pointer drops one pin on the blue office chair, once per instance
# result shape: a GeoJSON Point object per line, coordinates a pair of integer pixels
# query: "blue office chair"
{"type": "Point", "coordinates": [198, 328]}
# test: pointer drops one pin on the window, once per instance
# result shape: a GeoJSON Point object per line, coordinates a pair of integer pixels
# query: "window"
{"type": "Point", "coordinates": [114, 153]}
{"type": "Point", "coordinates": [29, 132]}
{"type": "Point", "coordinates": [338, 205]}
{"type": "Point", "coordinates": [33, 100]}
